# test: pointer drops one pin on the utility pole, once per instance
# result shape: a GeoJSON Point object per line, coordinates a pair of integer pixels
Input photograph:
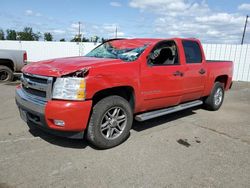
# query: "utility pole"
{"type": "Point", "coordinates": [243, 36]}
{"type": "Point", "coordinates": [79, 32]}
{"type": "Point", "coordinates": [115, 31]}
{"type": "Point", "coordinates": [79, 37]}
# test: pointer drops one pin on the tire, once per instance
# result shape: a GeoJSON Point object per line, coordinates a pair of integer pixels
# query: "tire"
{"type": "Point", "coordinates": [6, 74]}
{"type": "Point", "coordinates": [214, 101]}
{"type": "Point", "coordinates": [110, 122]}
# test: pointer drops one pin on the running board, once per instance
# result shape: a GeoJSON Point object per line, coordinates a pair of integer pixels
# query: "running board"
{"type": "Point", "coordinates": [153, 114]}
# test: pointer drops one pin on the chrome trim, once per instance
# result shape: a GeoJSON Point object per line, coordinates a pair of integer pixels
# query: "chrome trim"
{"type": "Point", "coordinates": [29, 102]}
{"type": "Point", "coordinates": [49, 88]}
{"type": "Point", "coordinates": [40, 100]}
{"type": "Point", "coordinates": [28, 83]}
{"type": "Point", "coordinates": [153, 114]}
{"type": "Point", "coordinates": [37, 76]}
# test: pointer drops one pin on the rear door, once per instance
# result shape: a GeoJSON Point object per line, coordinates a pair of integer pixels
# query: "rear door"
{"type": "Point", "coordinates": [195, 71]}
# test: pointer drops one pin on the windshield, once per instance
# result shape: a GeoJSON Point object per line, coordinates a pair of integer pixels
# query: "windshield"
{"type": "Point", "coordinates": [125, 50]}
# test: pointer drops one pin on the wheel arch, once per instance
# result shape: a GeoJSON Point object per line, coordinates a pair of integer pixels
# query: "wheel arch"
{"type": "Point", "coordinates": [222, 79]}
{"type": "Point", "coordinates": [126, 92]}
{"type": "Point", "coordinates": [8, 63]}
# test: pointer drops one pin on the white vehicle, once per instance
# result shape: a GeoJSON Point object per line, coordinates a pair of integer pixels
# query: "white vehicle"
{"type": "Point", "coordinates": [11, 61]}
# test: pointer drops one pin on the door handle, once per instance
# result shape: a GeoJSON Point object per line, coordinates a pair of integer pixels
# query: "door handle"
{"type": "Point", "coordinates": [202, 71]}
{"type": "Point", "coordinates": [178, 73]}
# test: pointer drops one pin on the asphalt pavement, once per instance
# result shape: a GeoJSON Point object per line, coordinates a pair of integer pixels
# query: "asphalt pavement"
{"type": "Point", "coordinates": [192, 148]}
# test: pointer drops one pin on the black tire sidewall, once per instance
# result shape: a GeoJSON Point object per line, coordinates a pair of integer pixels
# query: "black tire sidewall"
{"type": "Point", "coordinates": [9, 71]}
{"type": "Point", "coordinates": [94, 134]}
{"type": "Point", "coordinates": [210, 101]}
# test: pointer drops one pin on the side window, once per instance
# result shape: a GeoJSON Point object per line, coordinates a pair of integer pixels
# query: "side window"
{"type": "Point", "coordinates": [192, 51]}
{"type": "Point", "coordinates": [164, 53]}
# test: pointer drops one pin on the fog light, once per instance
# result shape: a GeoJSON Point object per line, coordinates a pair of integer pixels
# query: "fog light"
{"type": "Point", "coordinates": [59, 122]}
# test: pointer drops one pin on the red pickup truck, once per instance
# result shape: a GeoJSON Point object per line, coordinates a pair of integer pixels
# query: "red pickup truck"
{"type": "Point", "coordinates": [101, 93]}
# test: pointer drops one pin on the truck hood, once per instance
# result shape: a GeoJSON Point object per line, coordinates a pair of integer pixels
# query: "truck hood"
{"type": "Point", "coordinates": [64, 66]}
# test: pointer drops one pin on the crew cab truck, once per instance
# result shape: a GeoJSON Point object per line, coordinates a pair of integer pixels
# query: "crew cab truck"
{"type": "Point", "coordinates": [100, 94]}
{"type": "Point", "coordinates": [11, 61]}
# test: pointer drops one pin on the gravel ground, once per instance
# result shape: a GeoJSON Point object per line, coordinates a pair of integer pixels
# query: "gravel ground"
{"type": "Point", "coordinates": [192, 148]}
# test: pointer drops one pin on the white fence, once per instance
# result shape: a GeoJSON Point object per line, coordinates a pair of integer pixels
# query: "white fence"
{"type": "Point", "coordinates": [239, 54]}
{"type": "Point", "coordinates": [39, 50]}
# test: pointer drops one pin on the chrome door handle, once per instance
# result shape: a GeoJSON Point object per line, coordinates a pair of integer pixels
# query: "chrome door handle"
{"type": "Point", "coordinates": [178, 73]}
{"type": "Point", "coordinates": [202, 71]}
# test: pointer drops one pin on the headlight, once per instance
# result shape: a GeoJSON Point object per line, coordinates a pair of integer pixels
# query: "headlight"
{"type": "Point", "coordinates": [69, 89]}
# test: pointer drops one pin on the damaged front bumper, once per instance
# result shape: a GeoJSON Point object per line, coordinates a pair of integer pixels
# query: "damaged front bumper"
{"type": "Point", "coordinates": [42, 114]}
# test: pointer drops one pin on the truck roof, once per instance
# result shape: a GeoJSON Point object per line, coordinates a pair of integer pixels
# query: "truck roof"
{"type": "Point", "coordinates": [150, 40]}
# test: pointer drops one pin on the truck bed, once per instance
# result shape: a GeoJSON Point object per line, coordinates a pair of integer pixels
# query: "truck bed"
{"type": "Point", "coordinates": [218, 61]}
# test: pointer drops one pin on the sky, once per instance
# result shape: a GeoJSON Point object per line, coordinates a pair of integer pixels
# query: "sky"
{"type": "Point", "coordinates": [212, 21]}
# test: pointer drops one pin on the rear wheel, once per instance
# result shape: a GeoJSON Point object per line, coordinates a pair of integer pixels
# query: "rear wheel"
{"type": "Point", "coordinates": [6, 74]}
{"type": "Point", "coordinates": [214, 101]}
{"type": "Point", "coordinates": [110, 122]}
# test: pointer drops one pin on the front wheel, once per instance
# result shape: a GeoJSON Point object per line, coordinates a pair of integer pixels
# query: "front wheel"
{"type": "Point", "coordinates": [110, 122]}
{"type": "Point", "coordinates": [214, 101]}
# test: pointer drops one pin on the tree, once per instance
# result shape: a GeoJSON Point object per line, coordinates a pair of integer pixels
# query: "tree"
{"type": "Point", "coordinates": [11, 34]}
{"type": "Point", "coordinates": [103, 40]}
{"type": "Point", "coordinates": [75, 39]}
{"type": "Point", "coordinates": [2, 35]}
{"type": "Point", "coordinates": [28, 34]}
{"type": "Point", "coordinates": [94, 39]}
{"type": "Point", "coordinates": [62, 40]}
{"type": "Point", "coordinates": [85, 39]}
{"type": "Point", "coordinates": [37, 36]}
{"type": "Point", "coordinates": [48, 37]}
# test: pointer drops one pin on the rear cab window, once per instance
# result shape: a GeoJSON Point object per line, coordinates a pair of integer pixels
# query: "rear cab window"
{"type": "Point", "coordinates": [192, 51]}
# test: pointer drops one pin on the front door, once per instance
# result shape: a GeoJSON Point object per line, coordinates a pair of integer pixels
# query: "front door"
{"type": "Point", "coordinates": [162, 79]}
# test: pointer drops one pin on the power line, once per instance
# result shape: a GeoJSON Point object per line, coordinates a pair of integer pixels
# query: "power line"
{"type": "Point", "coordinates": [243, 36]}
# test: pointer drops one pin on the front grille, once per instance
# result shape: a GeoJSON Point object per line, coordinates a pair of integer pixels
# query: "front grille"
{"type": "Point", "coordinates": [37, 86]}
{"type": "Point", "coordinates": [36, 79]}
{"type": "Point", "coordinates": [35, 92]}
